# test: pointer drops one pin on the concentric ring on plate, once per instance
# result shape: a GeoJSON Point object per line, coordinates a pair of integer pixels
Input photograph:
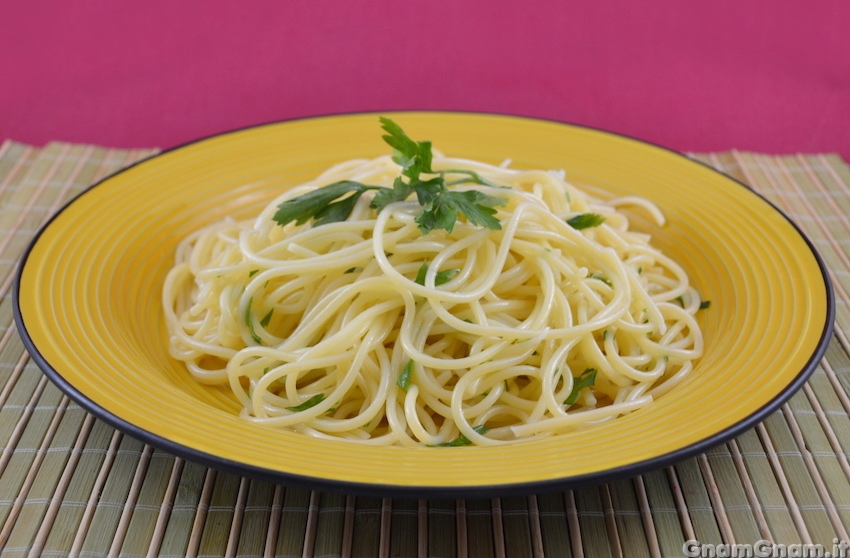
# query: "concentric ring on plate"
{"type": "Point", "coordinates": [88, 291]}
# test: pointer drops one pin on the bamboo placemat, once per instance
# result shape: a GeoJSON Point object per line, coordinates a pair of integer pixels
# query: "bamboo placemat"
{"type": "Point", "coordinates": [72, 486]}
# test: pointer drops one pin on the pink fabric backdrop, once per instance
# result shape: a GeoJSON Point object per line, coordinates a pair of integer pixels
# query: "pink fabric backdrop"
{"type": "Point", "coordinates": [700, 75]}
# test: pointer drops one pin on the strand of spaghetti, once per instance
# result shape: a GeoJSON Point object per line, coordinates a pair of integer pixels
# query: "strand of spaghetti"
{"type": "Point", "coordinates": [582, 417]}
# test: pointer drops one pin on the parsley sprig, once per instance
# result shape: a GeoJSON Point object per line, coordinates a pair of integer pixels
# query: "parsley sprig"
{"type": "Point", "coordinates": [441, 207]}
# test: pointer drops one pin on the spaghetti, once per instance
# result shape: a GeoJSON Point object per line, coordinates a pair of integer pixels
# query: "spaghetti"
{"type": "Point", "coordinates": [368, 330]}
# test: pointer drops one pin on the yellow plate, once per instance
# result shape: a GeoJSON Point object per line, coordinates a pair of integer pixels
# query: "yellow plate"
{"type": "Point", "coordinates": [88, 304]}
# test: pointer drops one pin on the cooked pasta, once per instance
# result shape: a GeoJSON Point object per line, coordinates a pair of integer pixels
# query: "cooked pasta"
{"type": "Point", "coordinates": [370, 331]}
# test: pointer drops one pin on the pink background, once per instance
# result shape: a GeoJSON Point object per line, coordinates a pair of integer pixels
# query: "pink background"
{"type": "Point", "coordinates": [696, 75]}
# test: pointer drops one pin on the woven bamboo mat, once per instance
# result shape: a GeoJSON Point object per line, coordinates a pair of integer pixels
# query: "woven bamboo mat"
{"type": "Point", "coordinates": [72, 486]}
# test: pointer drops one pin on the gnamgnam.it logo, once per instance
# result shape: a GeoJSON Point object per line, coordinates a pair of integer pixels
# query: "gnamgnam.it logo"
{"type": "Point", "coordinates": [765, 549]}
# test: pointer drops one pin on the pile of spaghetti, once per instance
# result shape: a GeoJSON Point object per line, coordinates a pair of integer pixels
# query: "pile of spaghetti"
{"type": "Point", "coordinates": [417, 299]}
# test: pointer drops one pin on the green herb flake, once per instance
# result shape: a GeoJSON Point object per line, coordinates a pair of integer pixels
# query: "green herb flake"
{"type": "Point", "coordinates": [249, 321]}
{"type": "Point", "coordinates": [585, 221]}
{"type": "Point", "coordinates": [352, 269]}
{"type": "Point", "coordinates": [680, 300]}
{"type": "Point", "coordinates": [312, 402]}
{"type": "Point", "coordinates": [441, 278]}
{"type": "Point", "coordinates": [640, 270]}
{"type": "Point", "coordinates": [463, 440]}
{"type": "Point", "coordinates": [420, 275]}
{"type": "Point", "coordinates": [704, 304]}
{"type": "Point", "coordinates": [406, 376]}
{"type": "Point", "coordinates": [253, 272]}
{"type": "Point", "coordinates": [586, 379]}
{"type": "Point", "coordinates": [600, 277]}
{"type": "Point", "coordinates": [267, 318]}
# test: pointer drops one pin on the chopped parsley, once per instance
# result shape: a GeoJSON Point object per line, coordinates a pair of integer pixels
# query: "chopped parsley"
{"type": "Point", "coordinates": [441, 278]}
{"type": "Point", "coordinates": [586, 379]}
{"type": "Point", "coordinates": [249, 321]}
{"type": "Point", "coordinates": [267, 318]}
{"type": "Point", "coordinates": [585, 221]}
{"type": "Point", "coordinates": [600, 277]}
{"type": "Point", "coordinates": [463, 440]}
{"type": "Point", "coordinates": [312, 402]}
{"type": "Point", "coordinates": [405, 377]}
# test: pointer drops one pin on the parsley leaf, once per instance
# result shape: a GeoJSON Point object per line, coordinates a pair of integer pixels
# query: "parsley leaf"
{"type": "Point", "coordinates": [704, 304]}
{"type": "Point", "coordinates": [447, 204]}
{"type": "Point", "coordinates": [312, 402]}
{"type": "Point", "coordinates": [319, 204]}
{"type": "Point", "coordinates": [463, 440]}
{"type": "Point", "coordinates": [406, 374]}
{"type": "Point", "coordinates": [585, 221]}
{"type": "Point", "coordinates": [420, 275]}
{"type": "Point", "coordinates": [441, 278]}
{"type": "Point", "coordinates": [586, 379]}
{"type": "Point", "coordinates": [445, 276]}
{"type": "Point", "coordinates": [400, 191]}
{"type": "Point", "coordinates": [414, 157]}
{"type": "Point", "coordinates": [337, 211]}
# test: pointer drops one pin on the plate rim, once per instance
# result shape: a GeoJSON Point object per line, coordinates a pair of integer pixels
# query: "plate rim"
{"type": "Point", "coordinates": [425, 491]}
